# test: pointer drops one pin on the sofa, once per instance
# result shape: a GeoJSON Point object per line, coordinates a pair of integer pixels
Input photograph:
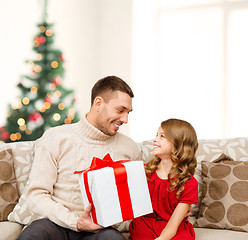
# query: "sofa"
{"type": "Point", "coordinates": [222, 175]}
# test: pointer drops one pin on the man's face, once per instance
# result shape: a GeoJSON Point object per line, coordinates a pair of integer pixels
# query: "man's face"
{"type": "Point", "coordinates": [114, 113]}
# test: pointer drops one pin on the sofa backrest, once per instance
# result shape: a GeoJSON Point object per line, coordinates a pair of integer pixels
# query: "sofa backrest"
{"type": "Point", "coordinates": [208, 150]}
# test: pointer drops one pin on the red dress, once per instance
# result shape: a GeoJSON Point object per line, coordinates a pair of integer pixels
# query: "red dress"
{"type": "Point", "coordinates": [150, 226]}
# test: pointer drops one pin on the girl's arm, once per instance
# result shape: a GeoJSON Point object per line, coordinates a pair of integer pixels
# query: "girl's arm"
{"type": "Point", "coordinates": [176, 218]}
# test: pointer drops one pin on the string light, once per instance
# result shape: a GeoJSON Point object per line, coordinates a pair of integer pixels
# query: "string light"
{"type": "Point", "coordinates": [56, 116]}
{"type": "Point", "coordinates": [54, 64]}
{"type": "Point", "coordinates": [47, 105]}
{"type": "Point", "coordinates": [37, 68]}
{"type": "Point", "coordinates": [33, 90]}
{"type": "Point", "coordinates": [57, 94]}
{"type": "Point", "coordinates": [52, 86]}
{"type": "Point", "coordinates": [42, 109]}
{"type": "Point", "coordinates": [28, 131]}
{"type": "Point", "coordinates": [36, 42]}
{"type": "Point", "coordinates": [67, 121]}
{"type": "Point", "coordinates": [38, 57]}
{"type": "Point", "coordinates": [23, 128]}
{"type": "Point", "coordinates": [61, 106]}
{"type": "Point", "coordinates": [71, 117]}
{"type": "Point", "coordinates": [42, 29]}
{"type": "Point", "coordinates": [71, 111]}
{"type": "Point", "coordinates": [20, 121]}
{"type": "Point", "coordinates": [13, 137]}
{"type": "Point", "coordinates": [18, 136]}
{"type": "Point", "coordinates": [31, 63]}
{"type": "Point", "coordinates": [49, 32]}
{"type": "Point", "coordinates": [13, 107]}
{"type": "Point", "coordinates": [25, 101]}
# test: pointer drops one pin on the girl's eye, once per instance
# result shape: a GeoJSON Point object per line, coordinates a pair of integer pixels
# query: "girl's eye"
{"type": "Point", "coordinates": [162, 136]}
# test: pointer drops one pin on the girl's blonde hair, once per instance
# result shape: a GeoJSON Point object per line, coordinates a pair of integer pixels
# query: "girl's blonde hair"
{"type": "Point", "coordinates": [184, 140]}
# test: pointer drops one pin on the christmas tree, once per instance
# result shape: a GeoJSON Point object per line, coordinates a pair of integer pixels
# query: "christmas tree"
{"type": "Point", "coordinates": [44, 102]}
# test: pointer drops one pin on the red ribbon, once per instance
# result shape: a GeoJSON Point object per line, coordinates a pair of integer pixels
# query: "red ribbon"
{"type": "Point", "coordinates": [120, 181]}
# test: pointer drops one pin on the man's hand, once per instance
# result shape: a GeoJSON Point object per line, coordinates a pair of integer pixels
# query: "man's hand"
{"type": "Point", "coordinates": [85, 223]}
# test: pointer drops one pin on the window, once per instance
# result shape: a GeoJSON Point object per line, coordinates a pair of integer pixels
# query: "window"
{"type": "Point", "coordinates": [190, 62]}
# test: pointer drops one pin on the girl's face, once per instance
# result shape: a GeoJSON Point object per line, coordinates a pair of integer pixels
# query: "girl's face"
{"type": "Point", "coordinates": [162, 147]}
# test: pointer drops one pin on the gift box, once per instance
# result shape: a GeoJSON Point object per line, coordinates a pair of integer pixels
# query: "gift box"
{"type": "Point", "coordinates": [117, 190]}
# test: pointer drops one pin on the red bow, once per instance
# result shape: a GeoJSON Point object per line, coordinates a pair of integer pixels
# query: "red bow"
{"type": "Point", "coordinates": [120, 180]}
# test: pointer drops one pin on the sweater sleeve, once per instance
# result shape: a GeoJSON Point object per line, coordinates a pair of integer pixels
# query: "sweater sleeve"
{"type": "Point", "coordinates": [43, 176]}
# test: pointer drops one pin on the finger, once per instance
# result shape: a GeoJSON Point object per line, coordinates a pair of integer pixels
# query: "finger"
{"type": "Point", "coordinates": [96, 227]}
{"type": "Point", "coordinates": [88, 209]}
{"type": "Point", "coordinates": [99, 227]}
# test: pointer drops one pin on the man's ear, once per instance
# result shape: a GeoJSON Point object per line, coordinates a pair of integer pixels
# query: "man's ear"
{"type": "Point", "coordinates": [98, 103]}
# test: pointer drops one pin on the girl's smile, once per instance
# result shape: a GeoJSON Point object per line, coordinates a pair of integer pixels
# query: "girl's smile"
{"type": "Point", "coordinates": [162, 147]}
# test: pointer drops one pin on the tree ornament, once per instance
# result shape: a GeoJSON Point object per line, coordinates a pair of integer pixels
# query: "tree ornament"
{"type": "Point", "coordinates": [41, 40]}
{"type": "Point", "coordinates": [35, 117]}
{"type": "Point", "coordinates": [61, 57]}
{"type": "Point", "coordinates": [57, 81]}
{"type": "Point", "coordinates": [48, 99]}
{"type": "Point", "coordinates": [4, 134]}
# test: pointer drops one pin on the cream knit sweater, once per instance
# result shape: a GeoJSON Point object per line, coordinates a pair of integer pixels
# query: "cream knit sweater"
{"type": "Point", "coordinates": [54, 191]}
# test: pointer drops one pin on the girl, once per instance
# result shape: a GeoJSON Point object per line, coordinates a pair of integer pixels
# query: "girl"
{"type": "Point", "coordinates": [171, 184]}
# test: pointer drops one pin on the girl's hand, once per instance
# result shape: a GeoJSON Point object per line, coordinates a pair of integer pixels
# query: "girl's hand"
{"type": "Point", "coordinates": [189, 213]}
{"type": "Point", "coordinates": [170, 230]}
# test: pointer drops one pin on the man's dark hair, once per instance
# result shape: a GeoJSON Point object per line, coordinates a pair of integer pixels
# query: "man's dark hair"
{"type": "Point", "coordinates": [107, 85]}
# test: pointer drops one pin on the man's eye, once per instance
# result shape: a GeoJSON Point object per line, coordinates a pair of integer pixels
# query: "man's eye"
{"type": "Point", "coordinates": [120, 111]}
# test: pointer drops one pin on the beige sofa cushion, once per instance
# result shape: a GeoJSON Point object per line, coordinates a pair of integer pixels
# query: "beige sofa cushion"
{"type": "Point", "coordinates": [23, 157]}
{"type": "Point", "coordinates": [224, 195]}
{"type": "Point", "coordinates": [21, 213]}
{"type": "Point", "coordinates": [8, 189]}
{"type": "Point", "coordinates": [10, 230]}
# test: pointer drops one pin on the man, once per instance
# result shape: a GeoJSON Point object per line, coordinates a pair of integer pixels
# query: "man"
{"type": "Point", "coordinates": [54, 192]}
